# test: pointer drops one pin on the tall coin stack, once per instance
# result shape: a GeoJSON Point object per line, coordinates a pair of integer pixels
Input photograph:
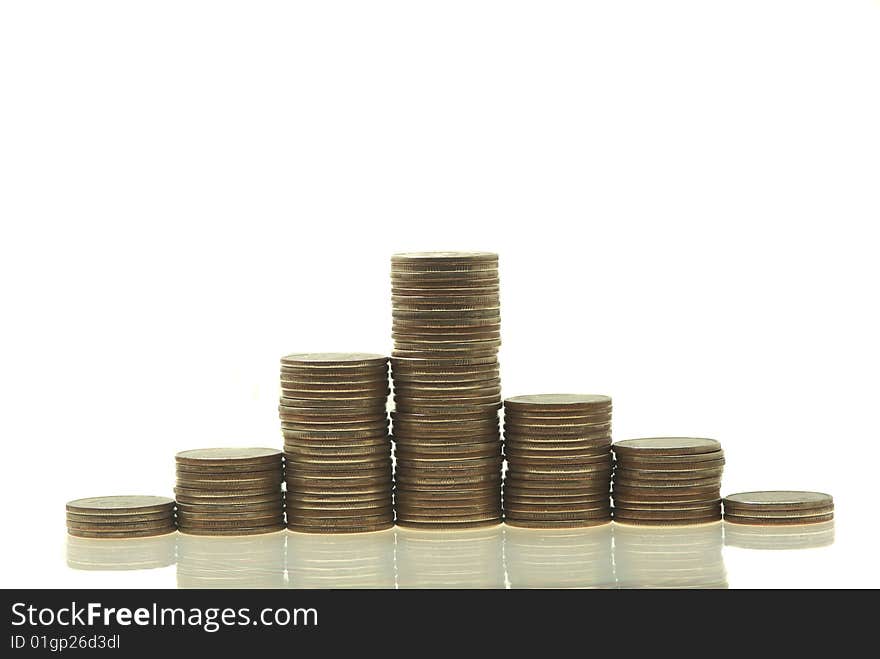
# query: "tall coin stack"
{"type": "Point", "coordinates": [447, 389]}
{"type": "Point", "coordinates": [666, 481]}
{"type": "Point", "coordinates": [334, 419]}
{"type": "Point", "coordinates": [558, 449]}
{"type": "Point", "coordinates": [229, 491]}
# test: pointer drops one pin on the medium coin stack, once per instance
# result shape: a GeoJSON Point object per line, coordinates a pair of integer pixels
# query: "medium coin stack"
{"type": "Point", "coordinates": [229, 491]}
{"type": "Point", "coordinates": [334, 419]}
{"type": "Point", "coordinates": [120, 517]}
{"type": "Point", "coordinates": [447, 389]}
{"type": "Point", "coordinates": [667, 481]}
{"type": "Point", "coordinates": [558, 449]}
{"type": "Point", "coordinates": [778, 507]}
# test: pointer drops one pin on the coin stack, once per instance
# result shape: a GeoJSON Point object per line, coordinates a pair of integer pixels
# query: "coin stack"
{"type": "Point", "coordinates": [335, 423]}
{"type": "Point", "coordinates": [558, 449]}
{"type": "Point", "coordinates": [229, 491]}
{"type": "Point", "coordinates": [120, 517]}
{"type": "Point", "coordinates": [667, 481]}
{"type": "Point", "coordinates": [447, 389]}
{"type": "Point", "coordinates": [778, 507]}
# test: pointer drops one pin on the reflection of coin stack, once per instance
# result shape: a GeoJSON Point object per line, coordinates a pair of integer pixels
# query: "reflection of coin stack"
{"type": "Point", "coordinates": [121, 554]}
{"type": "Point", "coordinates": [335, 423]}
{"type": "Point", "coordinates": [120, 517]}
{"type": "Point", "coordinates": [245, 562]}
{"type": "Point", "coordinates": [229, 491]}
{"type": "Point", "coordinates": [776, 536]}
{"type": "Point", "coordinates": [558, 449]}
{"type": "Point", "coordinates": [469, 558]}
{"type": "Point", "coordinates": [672, 557]}
{"type": "Point", "coordinates": [364, 560]}
{"type": "Point", "coordinates": [778, 508]}
{"type": "Point", "coordinates": [666, 481]}
{"type": "Point", "coordinates": [559, 558]}
{"type": "Point", "coordinates": [447, 389]}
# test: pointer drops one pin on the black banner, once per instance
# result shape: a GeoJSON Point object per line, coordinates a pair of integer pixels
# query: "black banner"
{"type": "Point", "coordinates": [128, 622]}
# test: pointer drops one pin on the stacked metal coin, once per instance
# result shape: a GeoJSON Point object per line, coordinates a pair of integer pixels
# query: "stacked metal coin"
{"type": "Point", "coordinates": [229, 491]}
{"type": "Point", "coordinates": [334, 419]}
{"type": "Point", "coordinates": [120, 517]}
{"type": "Point", "coordinates": [558, 449]}
{"type": "Point", "coordinates": [778, 507]}
{"type": "Point", "coordinates": [447, 389]}
{"type": "Point", "coordinates": [667, 481]}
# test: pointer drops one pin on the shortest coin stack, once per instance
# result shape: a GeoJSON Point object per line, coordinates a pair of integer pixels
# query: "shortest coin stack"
{"type": "Point", "coordinates": [120, 517]}
{"type": "Point", "coordinates": [558, 449]}
{"type": "Point", "coordinates": [229, 491]}
{"type": "Point", "coordinates": [780, 507]}
{"type": "Point", "coordinates": [667, 481]}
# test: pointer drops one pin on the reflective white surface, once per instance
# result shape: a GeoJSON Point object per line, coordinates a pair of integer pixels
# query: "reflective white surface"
{"type": "Point", "coordinates": [609, 556]}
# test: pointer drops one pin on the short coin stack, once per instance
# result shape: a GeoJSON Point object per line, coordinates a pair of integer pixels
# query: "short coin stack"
{"type": "Point", "coordinates": [120, 517]}
{"type": "Point", "coordinates": [447, 389]}
{"type": "Point", "coordinates": [667, 481]}
{"type": "Point", "coordinates": [778, 507]}
{"type": "Point", "coordinates": [558, 449]}
{"type": "Point", "coordinates": [229, 491]}
{"type": "Point", "coordinates": [334, 419]}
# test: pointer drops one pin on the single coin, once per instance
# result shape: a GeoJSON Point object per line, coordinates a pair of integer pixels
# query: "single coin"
{"type": "Point", "coordinates": [779, 499]}
{"type": "Point", "coordinates": [780, 521]}
{"type": "Point", "coordinates": [665, 522]}
{"type": "Point", "coordinates": [233, 499]}
{"type": "Point", "coordinates": [230, 470]}
{"type": "Point", "coordinates": [443, 257]}
{"type": "Point", "coordinates": [558, 401]}
{"type": "Point", "coordinates": [258, 530]}
{"type": "Point", "coordinates": [228, 455]}
{"type": "Point", "coordinates": [120, 504]}
{"type": "Point", "coordinates": [341, 529]}
{"type": "Point", "coordinates": [597, 513]}
{"type": "Point", "coordinates": [620, 513]}
{"type": "Point", "coordinates": [117, 518]}
{"type": "Point", "coordinates": [649, 461]}
{"type": "Point", "coordinates": [709, 506]}
{"type": "Point", "coordinates": [688, 475]}
{"type": "Point", "coordinates": [115, 526]}
{"type": "Point", "coordinates": [540, 415]}
{"type": "Point", "coordinates": [667, 446]}
{"type": "Point", "coordinates": [557, 524]}
{"type": "Point", "coordinates": [333, 359]}
{"type": "Point", "coordinates": [528, 455]}
{"type": "Point", "coordinates": [147, 533]}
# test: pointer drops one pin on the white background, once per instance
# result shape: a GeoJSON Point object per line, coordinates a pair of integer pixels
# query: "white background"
{"type": "Point", "coordinates": [684, 196]}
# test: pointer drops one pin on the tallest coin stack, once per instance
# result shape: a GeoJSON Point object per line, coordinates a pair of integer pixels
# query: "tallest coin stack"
{"type": "Point", "coordinates": [447, 389]}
